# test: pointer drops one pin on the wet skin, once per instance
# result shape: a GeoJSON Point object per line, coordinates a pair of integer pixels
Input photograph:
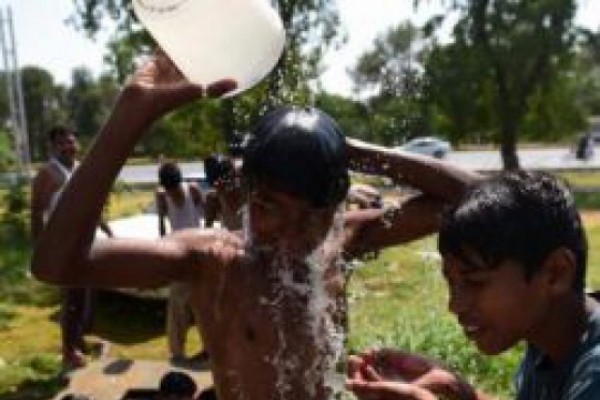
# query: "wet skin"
{"type": "Point", "coordinates": [479, 302]}
{"type": "Point", "coordinates": [255, 330]}
{"type": "Point", "coordinates": [256, 312]}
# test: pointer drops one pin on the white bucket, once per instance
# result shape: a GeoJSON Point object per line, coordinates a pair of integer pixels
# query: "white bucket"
{"type": "Point", "coordinates": [210, 40]}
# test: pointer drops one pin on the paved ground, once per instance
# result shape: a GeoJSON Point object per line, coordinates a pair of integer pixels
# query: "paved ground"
{"type": "Point", "coordinates": [541, 159]}
{"type": "Point", "coordinates": [112, 379]}
{"type": "Point", "coordinates": [544, 159]}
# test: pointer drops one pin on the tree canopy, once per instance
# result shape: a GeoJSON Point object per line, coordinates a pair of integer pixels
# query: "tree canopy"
{"type": "Point", "coordinates": [524, 45]}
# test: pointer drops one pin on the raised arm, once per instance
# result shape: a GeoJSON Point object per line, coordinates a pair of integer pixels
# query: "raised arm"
{"type": "Point", "coordinates": [439, 184]}
{"type": "Point", "coordinates": [42, 188]}
{"type": "Point", "coordinates": [65, 252]}
{"type": "Point", "coordinates": [431, 176]}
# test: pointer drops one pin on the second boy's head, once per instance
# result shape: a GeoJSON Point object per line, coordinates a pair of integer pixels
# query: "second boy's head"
{"type": "Point", "coordinates": [513, 248]}
{"type": "Point", "coordinates": [169, 176]}
{"type": "Point", "coordinates": [295, 170]}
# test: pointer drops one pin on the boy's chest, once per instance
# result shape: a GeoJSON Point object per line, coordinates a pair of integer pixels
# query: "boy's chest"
{"type": "Point", "coordinates": [255, 310]}
{"type": "Point", "coordinates": [262, 330]}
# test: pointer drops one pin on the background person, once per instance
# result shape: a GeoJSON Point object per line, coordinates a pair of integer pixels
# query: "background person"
{"type": "Point", "coordinates": [46, 190]}
{"type": "Point", "coordinates": [225, 201]}
{"type": "Point", "coordinates": [181, 203]}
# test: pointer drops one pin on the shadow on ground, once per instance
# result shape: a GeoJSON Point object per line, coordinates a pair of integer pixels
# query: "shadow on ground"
{"type": "Point", "coordinates": [126, 320]}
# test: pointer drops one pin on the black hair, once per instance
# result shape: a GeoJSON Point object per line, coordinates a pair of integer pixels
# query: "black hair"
{"type": "Point", "coordinates": [218, 167]}
{"type": "Point", "coordinates": [60, 130]}
{"type": "Point", "coordinates": [300, 151]}
{"type": "Point", "coordinates": [236, 149]}
{"type": "Point", "coordinates": [519, 216]}
{"type": "Point", "coordinates": [178, 384]}
{"type": "Point", "coordinates": [169, 175]}
{"type": "Point", "coordinates": [208, 394]}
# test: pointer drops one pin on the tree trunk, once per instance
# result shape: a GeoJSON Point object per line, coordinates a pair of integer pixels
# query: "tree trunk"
{"type": "Point", "coordinates": [508, 148]}
{"type": "Point", "coordinates": [228, 120]}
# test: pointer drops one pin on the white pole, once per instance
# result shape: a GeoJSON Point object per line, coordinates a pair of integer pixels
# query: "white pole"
{"type": "Point", "coordinates": [26, 158]}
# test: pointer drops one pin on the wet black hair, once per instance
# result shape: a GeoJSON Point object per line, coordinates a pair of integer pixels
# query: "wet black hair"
{"type": "Point", "coordinates": [60, 130]}
{"type": "Point", "coordinates": [518, 216]}
{"type": "Point", "coordinates": [169, 175]}
{"type": "Point", "coordinates": [72, 396]}
{"type": "Point", "coordinates": [236, 149]}
{"type": "Point", "coordinates": [208, 394]}
{"type": "Point", "coordinates": [300, 151]}
{"type": "Point", "coordinates": [218, 167]}
{"type": "Point", "coordinates": [177, 383]}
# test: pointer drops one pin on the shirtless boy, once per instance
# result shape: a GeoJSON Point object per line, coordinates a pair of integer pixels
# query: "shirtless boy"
{"type": "Point", "coordinates": [271, 297]}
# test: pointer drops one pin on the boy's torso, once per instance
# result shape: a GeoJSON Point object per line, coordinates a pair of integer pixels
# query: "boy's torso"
{"type": "Point", "coordinates": [274, 328]}
{"type": "Point", "coordinates": [577, 378]}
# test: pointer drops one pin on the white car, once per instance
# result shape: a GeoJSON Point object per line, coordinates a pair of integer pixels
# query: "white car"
{"type": "Point", "coordinates": [427, 145]}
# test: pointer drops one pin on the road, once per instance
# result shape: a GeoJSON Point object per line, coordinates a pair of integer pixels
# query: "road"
{"type": "Point", "coordinates": [542, 159]}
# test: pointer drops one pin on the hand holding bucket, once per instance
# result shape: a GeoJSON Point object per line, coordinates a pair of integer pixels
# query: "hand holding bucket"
{"type": "Point", "coordinates": [211, 40]}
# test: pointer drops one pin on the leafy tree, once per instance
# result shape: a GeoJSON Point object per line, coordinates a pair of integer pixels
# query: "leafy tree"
{"type": "Point", "coordinates": [7, 157]}
{"type": "Point", "coordinates": [311, 27]}
{"type": "Point", "coordinates": [352, 116]}
{"type": "Point", "coordinates": [391, 72]}
{"type": "Point", "coordinates": [588, 69]}
{"type": "Point", "coordinates": [42, 107]}
{"type": "Point", "coordinates": [459, 93]}
{"type": "Point", "coordinates": [83, 103]}
{"type": "Point", "coordinates": [88, 101]}
{"type": "Point", "coordinates": [524, 44]}
{"type": "Point", "coordinates": [4, 104]}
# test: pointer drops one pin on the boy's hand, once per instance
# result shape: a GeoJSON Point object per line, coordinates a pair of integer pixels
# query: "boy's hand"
{"type": "Point", "coordinates": [391, 366]}
{"type": "Point", "coordinates": [160, 87]}
{"type": "Point", "coordinates": [388, 390]}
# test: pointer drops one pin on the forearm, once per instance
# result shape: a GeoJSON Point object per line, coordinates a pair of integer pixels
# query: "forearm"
{"type": "Point", "coordinates": [65, 242]}
{"type": "Point", "coordinates": [431, 176]}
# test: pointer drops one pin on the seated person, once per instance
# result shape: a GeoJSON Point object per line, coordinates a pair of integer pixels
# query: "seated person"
{"type": "Point", "coordinates": [271, 297]}
{"type": "Point", "coordinates": [514, 258]}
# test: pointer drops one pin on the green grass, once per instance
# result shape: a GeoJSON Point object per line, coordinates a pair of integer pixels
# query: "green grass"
{"type": "Point", "coordinates": [397, 299]}
{"type": "Point", "coordinates": [583, 179]}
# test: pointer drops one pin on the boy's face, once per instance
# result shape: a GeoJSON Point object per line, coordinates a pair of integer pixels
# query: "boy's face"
{"type": "Point", "coordinates": [496, 306]}
{"type": "Point", "coordinates": [283, 222]}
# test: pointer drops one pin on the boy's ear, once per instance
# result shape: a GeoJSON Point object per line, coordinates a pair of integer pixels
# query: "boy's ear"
{"type": "Point", "coordinates": [559, 270]}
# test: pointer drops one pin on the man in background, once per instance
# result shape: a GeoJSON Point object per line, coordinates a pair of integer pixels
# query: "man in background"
{"type": "Point", "coordinates": [180, 203]}
{"type": "Point", "coordinates": [47, 187]}
{"type": "Point", "coordinates": [225, 202]}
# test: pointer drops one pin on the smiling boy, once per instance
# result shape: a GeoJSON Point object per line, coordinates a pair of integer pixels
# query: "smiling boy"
{"type": "Point", "coordinates": [514, 257]}
{"type": "Point", "coordinates": [271, 297]}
